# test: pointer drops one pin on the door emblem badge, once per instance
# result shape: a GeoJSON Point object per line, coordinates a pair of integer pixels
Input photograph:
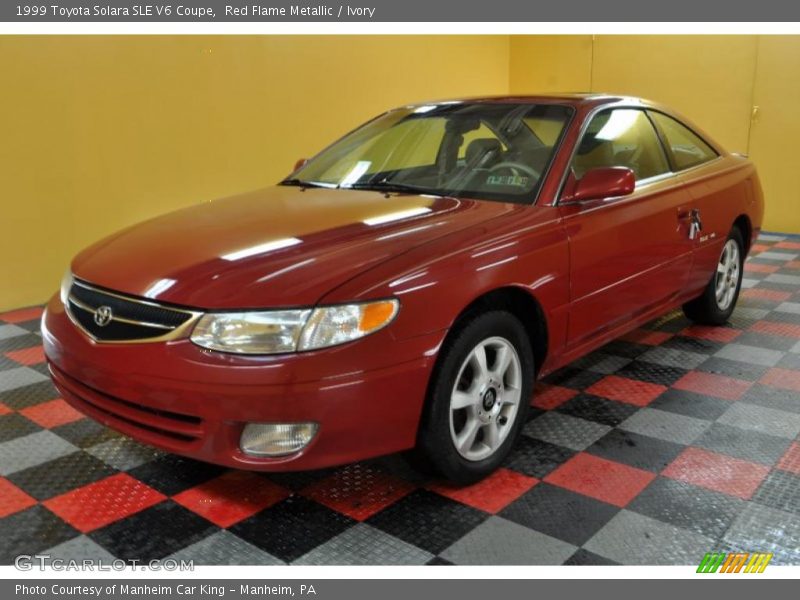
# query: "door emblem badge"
{"type": "Point", "coordinates": [103, 316]}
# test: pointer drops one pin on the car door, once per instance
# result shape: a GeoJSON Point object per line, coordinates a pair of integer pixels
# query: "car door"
{"type": "Point", "coordinates": [695, 162]}
{"type": "Point", "coordinates": [631, 254]}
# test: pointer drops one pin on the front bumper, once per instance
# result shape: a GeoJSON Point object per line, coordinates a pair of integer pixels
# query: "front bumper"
{"type": "Point", "coordinates": [366, 396]}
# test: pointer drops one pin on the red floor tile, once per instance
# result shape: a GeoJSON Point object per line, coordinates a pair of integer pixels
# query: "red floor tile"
{"type": "Point", "coordinates": [785, 379]}
{"type": "Point", "coordinates": [52, 414]}
{"type": "Point", "coordinates": [714, 334]}
{"type": "Point", "coordinates": [791, 460]}
{"type": "Point", "coordinates": [358, 491]}
{"type": "Point", "coordinates": [647, 337]}
{"type": "Point", "coordinates": [788, 245]}
{"type": "Point", "coordinates": [27, 356]}
{"type": "Point", "coordinates": [717, 472]}
{"type": "Point", "coordinates": [232, 497]}
{"type": "Point", "coordinates": [13, 499]}
{"type": "Point", "coordinates": [775, 328]}
{"type": "Point", "coordinates": [548, 397]}
{"type": "Point", "coordinates": [759, 247]}
{"type": "Point", "coordinates": [793, 264]}
{"type": "Point", "coordinates": [599, 478]}
{"type": "Point", "coordinates": [712, 384]}
{"type": "Point", "coordinates": [492, 494]}
{"type": "Point", "coordinates": [763, 294]}
{"type": "Point", "coordinates": [630, 391]}
{"type": "Point", "coordinates": [22, 314]}
{"type": "Point", "coordinates": [103, 502]}
{"type": "Point", "coordinates": [760, 267]}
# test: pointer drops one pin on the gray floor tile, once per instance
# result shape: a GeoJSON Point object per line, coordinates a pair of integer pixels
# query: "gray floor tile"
{"type": "Point", "coordinates": [497, 541]}
{"type": "Point", "coordinates": [123, 453]}
{"type": "Point", "coordinates": [765, 420]}
{"type": "Point", "coordinates": [31, 450]}
{"type": "Point", "coordinates": [20, 377]}
{"type": "Point", "coordinates": [224, 548]}
{"type": "Point", "coordinates": [764, 529]}
{"type": "Point", "coordinates": [744, 444]}
{"type": "Point", "coordinates": [80, 548]}
{"type": "Point", "coordinates": [789, 307]}
{"type": "Point", "coordinates": [773, 255]}
{"type": "Point", "coordinates": [780, 278]}
{"type": "Point", "coordinates": [664, 425]}
{"type": "Point", "coordinates": [9, 331]}
{"type": "Point", "coordinates": [565, 430]}
{"type": "Point", "coordinates": [671, 357]}
{"type": "Point", "coordinates": [750, 354]}
{"type": "Point", "coordinates": [365, 545]}
{"type": "Point", "coordinates": [633, 539]}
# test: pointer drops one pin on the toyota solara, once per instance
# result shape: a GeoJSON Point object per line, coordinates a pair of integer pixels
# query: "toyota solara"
{"type": "Point", "coordinates": [403, 289]}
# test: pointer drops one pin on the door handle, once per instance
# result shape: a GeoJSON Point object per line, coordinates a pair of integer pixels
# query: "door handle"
{"type": "Point", "coordinates": [692, 217]}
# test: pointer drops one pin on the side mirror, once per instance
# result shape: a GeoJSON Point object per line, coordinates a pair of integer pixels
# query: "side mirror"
{"type": "Point", "coordinates": [603, 182]}
{"type": "Point", "coordinates": [301, 162]}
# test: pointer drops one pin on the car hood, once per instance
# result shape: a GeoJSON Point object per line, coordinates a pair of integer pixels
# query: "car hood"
{"type": "Point", "coordinates": [281, 246]}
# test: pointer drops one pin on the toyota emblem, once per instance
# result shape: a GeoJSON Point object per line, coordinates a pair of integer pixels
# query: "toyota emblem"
{"type": "Point", "coordinates": [103, 316]}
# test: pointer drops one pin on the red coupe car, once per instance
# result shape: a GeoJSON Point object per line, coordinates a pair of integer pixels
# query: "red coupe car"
{"type": "Point", "coordinates": [406, 286]}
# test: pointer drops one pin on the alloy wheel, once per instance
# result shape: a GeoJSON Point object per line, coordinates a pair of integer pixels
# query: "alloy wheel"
{"type": "Point", "coordinates": [485, 398]}
{"type": "Point", "coordinates": [728, 273]}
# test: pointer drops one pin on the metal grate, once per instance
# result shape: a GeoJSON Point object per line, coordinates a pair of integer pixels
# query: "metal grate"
{"type": "Point", "coordinates": [111, 317]}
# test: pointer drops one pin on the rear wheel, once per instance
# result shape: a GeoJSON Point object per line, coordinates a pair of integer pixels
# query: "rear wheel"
{"type": "Point", "coordinates": [716, 304]}
{"type": "Point", "coordinates": [478, 398]}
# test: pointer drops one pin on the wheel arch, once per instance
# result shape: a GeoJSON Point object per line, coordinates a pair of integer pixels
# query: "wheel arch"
{"type": "Point", "coordinates": [522, 304]}
{"type": "Point", "coordinates": [742, 223]}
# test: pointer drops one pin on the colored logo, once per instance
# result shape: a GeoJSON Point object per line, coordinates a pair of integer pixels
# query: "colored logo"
{"type": "Point", "coordinates": [734, 562]}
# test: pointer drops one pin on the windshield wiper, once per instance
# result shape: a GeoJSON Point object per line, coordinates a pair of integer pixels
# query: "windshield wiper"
{"type": "Point", "coordinates": [304, 184]}
{"type": "Point", "coordinates": [388, 186]}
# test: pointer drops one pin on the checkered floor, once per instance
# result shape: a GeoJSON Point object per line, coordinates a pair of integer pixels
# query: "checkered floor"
{"type": "Point", "coordinates": [666, 444]}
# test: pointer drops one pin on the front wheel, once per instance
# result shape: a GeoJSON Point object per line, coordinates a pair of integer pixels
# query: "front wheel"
{"type": "Point", "coordinates": [716, 304]}
{"type": "Point", "coordinates": [478, 398]}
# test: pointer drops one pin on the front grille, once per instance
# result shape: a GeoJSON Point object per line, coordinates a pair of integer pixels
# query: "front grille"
{"type": "Point", "coordinates": [112, 317]}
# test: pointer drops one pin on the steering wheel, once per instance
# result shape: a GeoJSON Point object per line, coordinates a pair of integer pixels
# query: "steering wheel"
{"type": "Point", "coordinates": [516, 168]}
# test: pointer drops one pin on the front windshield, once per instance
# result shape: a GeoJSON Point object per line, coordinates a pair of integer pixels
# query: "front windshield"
{"type": "Point", "coordinates": [493, 151]}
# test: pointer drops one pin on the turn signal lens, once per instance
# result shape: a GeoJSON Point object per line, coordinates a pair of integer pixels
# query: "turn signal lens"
{"type": "Point", "coordinates": [276, 439]}
{"type": "Point", "coordinates": [376, 315]}
{"type": "Point", "coordinates": [332, 325]}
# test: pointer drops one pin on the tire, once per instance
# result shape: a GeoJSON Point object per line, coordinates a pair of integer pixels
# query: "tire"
{"type": "Point", "coordinates": [711, 308]}
{"type": "Point", "coordinates": [495, 398]}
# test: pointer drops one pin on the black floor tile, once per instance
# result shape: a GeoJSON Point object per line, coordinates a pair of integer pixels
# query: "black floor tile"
{"type": "Point", "coordinates": [292, 527]}
{"type": "Point", "coordinates": [536, 458]}
{"type": "Point", "coordinates": [640, 451]}
{"type": "Point", "coordinates": [153, 533]}
{"type": "Point", "coordinates": [61, 475]}
{"type": "Point", "coordinates": [31, 531]}
{"type": "Point", "coordinates": [594, 408]}
{"type": "Point", "coordinates": [560, 513]}
{"type": "Point", "coordinates": [427, 520]}
{"type": "Point", "coordinates": [684, 505]}
{"type": "Point", "coordinates": [171, 474]}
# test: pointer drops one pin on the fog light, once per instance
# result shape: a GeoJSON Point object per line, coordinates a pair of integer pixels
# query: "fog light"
{"type": "Point", "coordinates": [276, 439]}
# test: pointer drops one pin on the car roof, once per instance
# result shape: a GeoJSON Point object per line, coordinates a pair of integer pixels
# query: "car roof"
{"type": "Point", "coordinates": [571, 98]}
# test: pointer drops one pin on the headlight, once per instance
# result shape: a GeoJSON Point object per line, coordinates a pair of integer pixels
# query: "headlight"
{"type": "Point", "coordinates": [66, 286]}
{"type": "Point", "coordinates": [282, 331]}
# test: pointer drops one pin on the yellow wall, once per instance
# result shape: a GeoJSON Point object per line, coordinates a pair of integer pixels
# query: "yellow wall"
{"type": "Point", "coordinates": [776, 129]}
{"type": "Point", "coordinates": [713, 80]}
{"type": "Point", "coordinates": [101, 132]}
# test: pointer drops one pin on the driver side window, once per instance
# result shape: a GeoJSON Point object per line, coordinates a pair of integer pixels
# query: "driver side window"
{"type": "Point", "coordinates": [621, 137]}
